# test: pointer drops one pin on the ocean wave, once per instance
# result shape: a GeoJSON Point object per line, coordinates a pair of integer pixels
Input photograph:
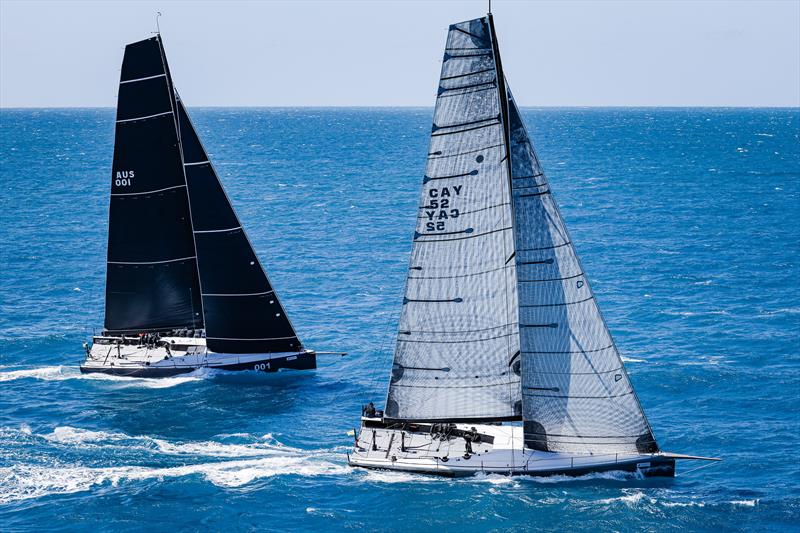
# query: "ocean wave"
{"type": "Point", "coordinates": [23, 482]}
{"type": "Point", "coordinates": [263, 446]}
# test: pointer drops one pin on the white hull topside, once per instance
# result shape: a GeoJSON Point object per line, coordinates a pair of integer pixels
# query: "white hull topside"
{"type": "Point", "coordinates": [175, 355]}
{"type": "Point", "coordinates": [498, 450]}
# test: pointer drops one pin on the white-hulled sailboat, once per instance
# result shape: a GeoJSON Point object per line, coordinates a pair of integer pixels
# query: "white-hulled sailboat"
{"type": "Point", "coordinates": [499, 324]}
{"type": "Point", "coordinates": [184, 288]}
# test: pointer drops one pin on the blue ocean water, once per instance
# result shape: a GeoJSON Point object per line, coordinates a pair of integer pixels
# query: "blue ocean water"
{"type": "Point", "coordinates": [687, 224]}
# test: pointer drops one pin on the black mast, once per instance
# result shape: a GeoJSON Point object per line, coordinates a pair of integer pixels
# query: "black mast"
{"type": "Point", "coordinates": [501, 88]}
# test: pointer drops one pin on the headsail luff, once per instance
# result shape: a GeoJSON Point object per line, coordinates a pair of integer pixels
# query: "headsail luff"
{"type": "Point", "coordinates": [151, 280]}
{"type": "Point", "coordinates": [457, 352]}
{"type": "Point", "coordinates": [242, 311]}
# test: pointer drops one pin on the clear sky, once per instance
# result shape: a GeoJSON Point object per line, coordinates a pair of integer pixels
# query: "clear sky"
{"type": "Point", "coordinates": [388, 53]}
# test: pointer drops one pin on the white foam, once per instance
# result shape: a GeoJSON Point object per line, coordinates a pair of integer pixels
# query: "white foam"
{"type": "Point", "coordinates": [632, 360]}
{"type": "Point", "coordinates": [746, 503]}
{"type": "Point", "coordinates": [61, 373]}
{"type": "Point", "coordinates": [264, 446]}
{"type": "Point", "coordinates": [628, 499]}
{"type": "Point", "coordinates": [22, 482]}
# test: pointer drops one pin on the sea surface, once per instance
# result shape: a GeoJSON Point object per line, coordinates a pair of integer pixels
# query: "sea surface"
{"type": "Point", "coordinates": [688, 224]}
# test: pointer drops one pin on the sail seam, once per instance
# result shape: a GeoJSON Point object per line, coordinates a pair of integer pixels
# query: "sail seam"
{"type": "Point", "coordinates": [150, 262]}
{"type": "Point", "coordinates": [561, 304]}
{"type": "Point", "coordinates": [197, 163]}
{"type": "Point", "coordinates": [552, 279]}
{"type": "Point", "coordinates": [457, 238]}
{"type": "Point", "coordinates": [578, 397]}
{"type": "Point", "coordinates": [572, 351]}
{"type": "Point", "coordinates": [459, 342]}
{"type": "Point", "coordinates": [238, 293]}
{"type": "Point", "coordinates": [432, 156]}
{"type": "Point", "coordinates": [464, 331]}
{"type": "Point", "coordinates": [463, 275]}
{"type": "Point", "coordinates": [467, 74]}
{"type": "Point", "coordinates": [147, 192]}
{"type": "Point", "coordinates": [143, 79]}
{"type": "Point", "coordinates": [216, 230]}
{"type": "Point", "coordinates": [144, 118]}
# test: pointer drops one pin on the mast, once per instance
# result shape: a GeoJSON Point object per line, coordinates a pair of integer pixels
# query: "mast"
{"type": "Point", "coordinates": [503, 96]}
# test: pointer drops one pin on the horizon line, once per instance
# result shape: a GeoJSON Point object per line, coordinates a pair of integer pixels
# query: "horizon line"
{"type": "Point", "coordinates": [657, 106]}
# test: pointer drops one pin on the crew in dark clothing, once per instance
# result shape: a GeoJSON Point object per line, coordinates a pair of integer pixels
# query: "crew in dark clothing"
{"type": "Point", "coordinates": [369, 410]}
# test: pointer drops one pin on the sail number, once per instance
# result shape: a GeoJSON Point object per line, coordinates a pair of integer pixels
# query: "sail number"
{"type": "Point", "coordinates": [123, 178]}
{"type": "Point", "coordinates": [439, 208]}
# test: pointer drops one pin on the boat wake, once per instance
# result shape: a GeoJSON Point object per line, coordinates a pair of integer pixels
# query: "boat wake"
{"type": "Point", "coordinates": [62, 373]}
{"type": "Point", "coordinates": [232, 464]}
{"type": "Point", "coordinates": [22, 482]}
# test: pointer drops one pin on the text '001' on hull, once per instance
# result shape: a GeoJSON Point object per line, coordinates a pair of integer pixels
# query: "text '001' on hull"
{"type": "Point", "coordinates": [503, 362]}
{"type": "Point", "coordinates": [184, 287]}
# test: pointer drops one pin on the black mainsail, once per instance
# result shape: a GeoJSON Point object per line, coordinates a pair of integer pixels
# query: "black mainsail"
{"type": "Point", "coordinates": [499, 321]}
{"type": "Point", "coordinates": [178, 256]}
{"type": "Point", "coordinates": [151, 280]}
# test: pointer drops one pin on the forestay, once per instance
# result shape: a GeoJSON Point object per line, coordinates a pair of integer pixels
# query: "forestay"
{"type": "Point", "coordinates": [457, 352]}
{"type": "Point", "coordinates": [151, 280]}
{"type": "Point", "coordinates": [242, 311]}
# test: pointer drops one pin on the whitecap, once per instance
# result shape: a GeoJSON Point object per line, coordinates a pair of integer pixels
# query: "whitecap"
{"type": "Point", "coordinates": [746, 503]}
{"type": "Point", "coordinates": [61, 373]}
{"type": "Point", "coordinates": [22, 482]}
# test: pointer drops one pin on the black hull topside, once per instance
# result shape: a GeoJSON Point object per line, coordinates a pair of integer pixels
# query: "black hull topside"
{"type": "Point", "coordinates": [303, 361]}
{"type": "Point", "coordinates": [659, 468]}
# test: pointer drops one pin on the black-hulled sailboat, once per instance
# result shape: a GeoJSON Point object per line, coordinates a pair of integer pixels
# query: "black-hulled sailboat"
{"type": "Point", "coordinates": [499, 325]}
{"type": "Point", "coordinates": [184, 288]}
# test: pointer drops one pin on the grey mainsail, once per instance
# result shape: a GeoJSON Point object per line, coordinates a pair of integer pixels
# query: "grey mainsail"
{"type": "Point", "coordinates": [458, 343]}
{"type": "Point", "coordinates": [495, 288]}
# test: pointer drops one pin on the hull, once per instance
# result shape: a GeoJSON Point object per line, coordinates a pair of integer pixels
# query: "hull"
{"type": "Point", "coordinates": [176, 356]}
{"type": "Point", "coordinates": [492, 449]}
